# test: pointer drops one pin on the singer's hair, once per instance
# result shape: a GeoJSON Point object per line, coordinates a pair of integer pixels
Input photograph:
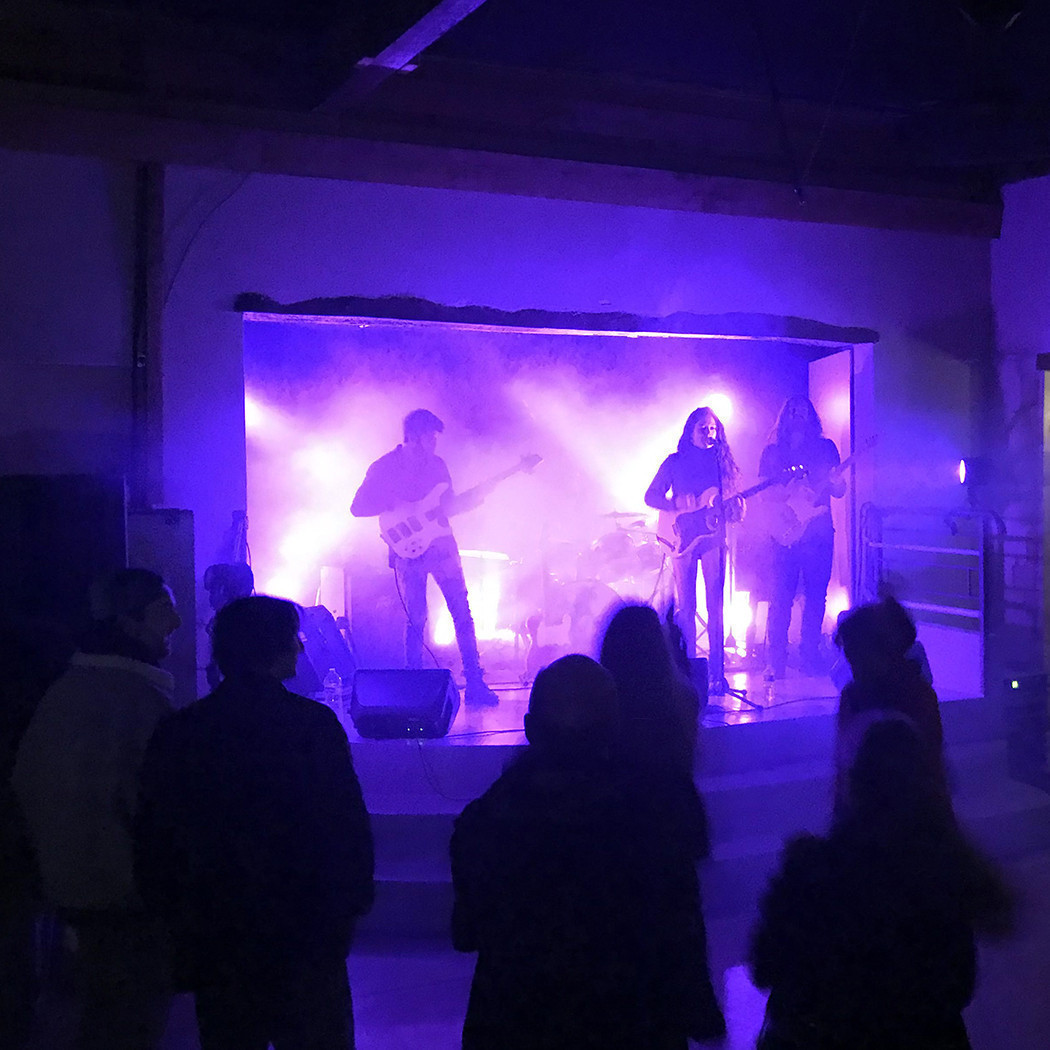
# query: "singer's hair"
{"type": "Point", "coordinates": [726, 464]}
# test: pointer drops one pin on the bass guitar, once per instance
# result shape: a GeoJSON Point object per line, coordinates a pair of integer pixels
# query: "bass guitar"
{"type": "Point", "coordinates": [682, 530]}
{"type": "Point", "coordinates": [410, 528]}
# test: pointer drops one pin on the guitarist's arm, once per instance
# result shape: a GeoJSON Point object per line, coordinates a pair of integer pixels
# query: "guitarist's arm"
{"type": "Point", "coordinates": [832, 482]}
{"type": "Point", "coordinates": [458, 502]}
{"type": "Point", "coordinates": [373, 496]}
{"type": "Point", "coordinates": [656, 494]}
{"type": "Point", "coordinates": [770, 467]}
{"type": "Point", "coordinates": [836, 479]}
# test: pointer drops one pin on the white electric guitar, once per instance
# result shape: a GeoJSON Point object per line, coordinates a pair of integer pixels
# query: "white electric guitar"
{"type": "Point", "coordinates": [805, 503]}
{"type": "Point", "coordinates": [410, 528]}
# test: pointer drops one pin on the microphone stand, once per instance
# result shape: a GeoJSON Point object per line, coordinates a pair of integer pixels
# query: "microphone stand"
{"type": "Point", "coordinates": [723, 687]}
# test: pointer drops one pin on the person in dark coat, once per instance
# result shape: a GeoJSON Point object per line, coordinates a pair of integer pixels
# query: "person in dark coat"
{"type": "Point", "coordinates": [254, 844]}
{"type": "Point", "coordinates": [866, 936]}
{"type": "Point", "coordinates": [659, 712]}
{"type": "Point", "coordinates": [571, 883]}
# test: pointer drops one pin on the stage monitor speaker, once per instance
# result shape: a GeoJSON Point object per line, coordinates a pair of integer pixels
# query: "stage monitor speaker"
{"type": "Point", "coordinates": [391, 704]}
{"type": "Point", "coordinates": [324, 647]}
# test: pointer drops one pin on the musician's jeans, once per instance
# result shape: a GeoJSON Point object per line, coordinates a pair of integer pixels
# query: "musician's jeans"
{"type": "Point", "coordinates": [809, 559]}
{"type": "Point", "coordinates": [441, 560]}
{"type": "Point", "coordinates": [708, 556]}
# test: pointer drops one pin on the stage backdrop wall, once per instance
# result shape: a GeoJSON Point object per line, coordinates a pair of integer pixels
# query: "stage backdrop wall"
{"type": "Point", "coordinates": [292, 239]}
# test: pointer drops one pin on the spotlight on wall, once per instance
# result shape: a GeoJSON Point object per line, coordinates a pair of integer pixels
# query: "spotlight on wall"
{"type": "Point", "coordinates": [720, 403]}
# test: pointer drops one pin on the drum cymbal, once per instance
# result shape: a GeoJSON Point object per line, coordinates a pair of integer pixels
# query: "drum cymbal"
{"type": "Point", "coordinates": [625, 514]}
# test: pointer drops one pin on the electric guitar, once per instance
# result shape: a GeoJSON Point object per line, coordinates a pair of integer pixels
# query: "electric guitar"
{"type": "Point", "coordinates": [805, 503]}
{"type": "Point", "coordinates": [682, 530]}
{"type": "Point", "coordinates": [410, 528]}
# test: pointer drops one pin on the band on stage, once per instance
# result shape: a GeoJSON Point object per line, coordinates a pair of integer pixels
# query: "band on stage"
{"type": "Point", "coordinates": [698, 495]}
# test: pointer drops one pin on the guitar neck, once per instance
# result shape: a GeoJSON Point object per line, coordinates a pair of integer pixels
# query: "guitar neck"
{"type": "Point", "coordinates": [482, 486]}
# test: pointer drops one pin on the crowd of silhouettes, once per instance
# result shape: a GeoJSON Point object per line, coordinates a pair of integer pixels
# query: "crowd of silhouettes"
{"type": "Point", "coordinates": [225, 849]}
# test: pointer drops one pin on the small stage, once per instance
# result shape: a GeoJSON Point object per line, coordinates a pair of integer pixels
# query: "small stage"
{"type": "Point", "coordinates": [764, 772]}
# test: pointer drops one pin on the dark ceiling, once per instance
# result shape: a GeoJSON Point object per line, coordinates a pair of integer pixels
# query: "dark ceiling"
{"type": "Point", "coordinates": [928, 98]}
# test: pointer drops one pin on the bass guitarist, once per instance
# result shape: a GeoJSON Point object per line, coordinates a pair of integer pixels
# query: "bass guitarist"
{"type": "Point", "coordinates": [406, 476]}
{"type": "Point", "coordinates": [803, 534]}
{"type": "Point", "coordinates": [696, 483]}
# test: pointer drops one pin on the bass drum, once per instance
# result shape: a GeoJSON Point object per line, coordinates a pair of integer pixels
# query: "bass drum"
{"type": "Point", "coordinates": [629, 561]}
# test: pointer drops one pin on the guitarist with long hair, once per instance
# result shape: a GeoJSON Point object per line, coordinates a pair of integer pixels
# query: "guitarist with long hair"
{"type": "Point", "coordinates": [696, 484]}
{"type": "Point", "coordinates": [803, 534]}
{"type": "Point", "coordinates": [406, 477]}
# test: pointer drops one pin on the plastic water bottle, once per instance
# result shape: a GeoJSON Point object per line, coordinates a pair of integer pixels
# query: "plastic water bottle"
{"type": "Point", "coordinates": [333, 692]}
{"type": "Point", "coordinates": [769, 681]}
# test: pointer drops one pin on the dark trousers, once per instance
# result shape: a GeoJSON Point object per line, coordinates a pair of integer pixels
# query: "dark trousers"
{"type": "Point", "coordinates": [305, 1009]}
{"type": "Point", "coordinates": [123, 978]}
{"type": "Point", "coordinates": [18, 979]}
{"type": "Point", "coordinates": [441, 560]}
{"type": "Point", "coordinates": [710, 559]}
{"type": "Point", "coordinates": [810, 559]}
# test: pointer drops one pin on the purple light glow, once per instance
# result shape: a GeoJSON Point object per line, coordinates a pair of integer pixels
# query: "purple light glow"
{"type": "Point", "coordinates": [325, 398]}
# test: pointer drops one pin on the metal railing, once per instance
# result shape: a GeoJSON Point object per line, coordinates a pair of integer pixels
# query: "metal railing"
{"type": "Point", "coordinates": [947, 565]}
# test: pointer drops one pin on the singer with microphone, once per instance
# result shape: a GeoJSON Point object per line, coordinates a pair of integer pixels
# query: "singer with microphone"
{"type": "Point", "coordinates": [694, 491]}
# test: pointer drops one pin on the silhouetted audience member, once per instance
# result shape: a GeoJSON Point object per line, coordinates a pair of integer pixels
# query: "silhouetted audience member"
{"type": "Point", "coordinates": [254, 844]}
{"type": "Point", "coordinates": [570, 879]}
{"type": "Point", "coordinates": [877, 640]}
{"type": "Point", "coordinates": [32, 656]}
{"type": "Point", "coordinates": [866, 935]}
{"type": "Point", "coordinates": [659, 712]}
{"type": "Point", "coordinates": [659, 708]}
{"type": "Point", "coordinates": [76, 778]}
{"type": "Point", "coordinates": [224, 584]}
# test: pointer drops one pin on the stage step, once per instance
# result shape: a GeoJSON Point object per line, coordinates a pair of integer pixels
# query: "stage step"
{"type": "Point", "coordinates": [769, 781]}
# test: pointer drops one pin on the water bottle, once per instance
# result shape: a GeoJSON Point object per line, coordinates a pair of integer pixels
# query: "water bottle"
{"type": "Point", "coordinates": [333, 692]}
{"type": "Point", "coordinates": [769, 680]}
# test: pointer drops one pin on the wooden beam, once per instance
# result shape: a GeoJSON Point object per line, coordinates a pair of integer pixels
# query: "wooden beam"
{"type": "Point", "coordinates": [248, 140]}
{"type": "Point", "coordinates": [407, 47]}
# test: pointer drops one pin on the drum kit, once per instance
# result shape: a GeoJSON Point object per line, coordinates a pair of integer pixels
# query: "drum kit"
{"type": "Point", "coordinates": [566, 596]}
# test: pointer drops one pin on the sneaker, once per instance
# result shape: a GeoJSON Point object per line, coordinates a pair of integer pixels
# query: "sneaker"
{"type": "Point", "coordinates": [478, 694]}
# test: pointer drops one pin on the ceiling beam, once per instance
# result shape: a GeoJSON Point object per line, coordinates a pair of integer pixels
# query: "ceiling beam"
{"type": "Point", "coordinates": [249, 140]}
{"type": "Point", "coordinates": [371, 72]}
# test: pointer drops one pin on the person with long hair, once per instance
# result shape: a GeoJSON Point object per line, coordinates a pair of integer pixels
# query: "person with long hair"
{"type": "Point", "coordinates": [660, 707]}
{"type": "Point", "coordinates": [803, 536]}
{"type": "Point", "coordinates": [866, 935]}
{"type": "Point", "coordinates": [659, 710]}
{"type": "Point", "coordinates": [695, 484]}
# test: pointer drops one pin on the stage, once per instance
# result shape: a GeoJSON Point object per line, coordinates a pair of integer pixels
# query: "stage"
{"type": "Point", "coordinates": [764, 772]}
